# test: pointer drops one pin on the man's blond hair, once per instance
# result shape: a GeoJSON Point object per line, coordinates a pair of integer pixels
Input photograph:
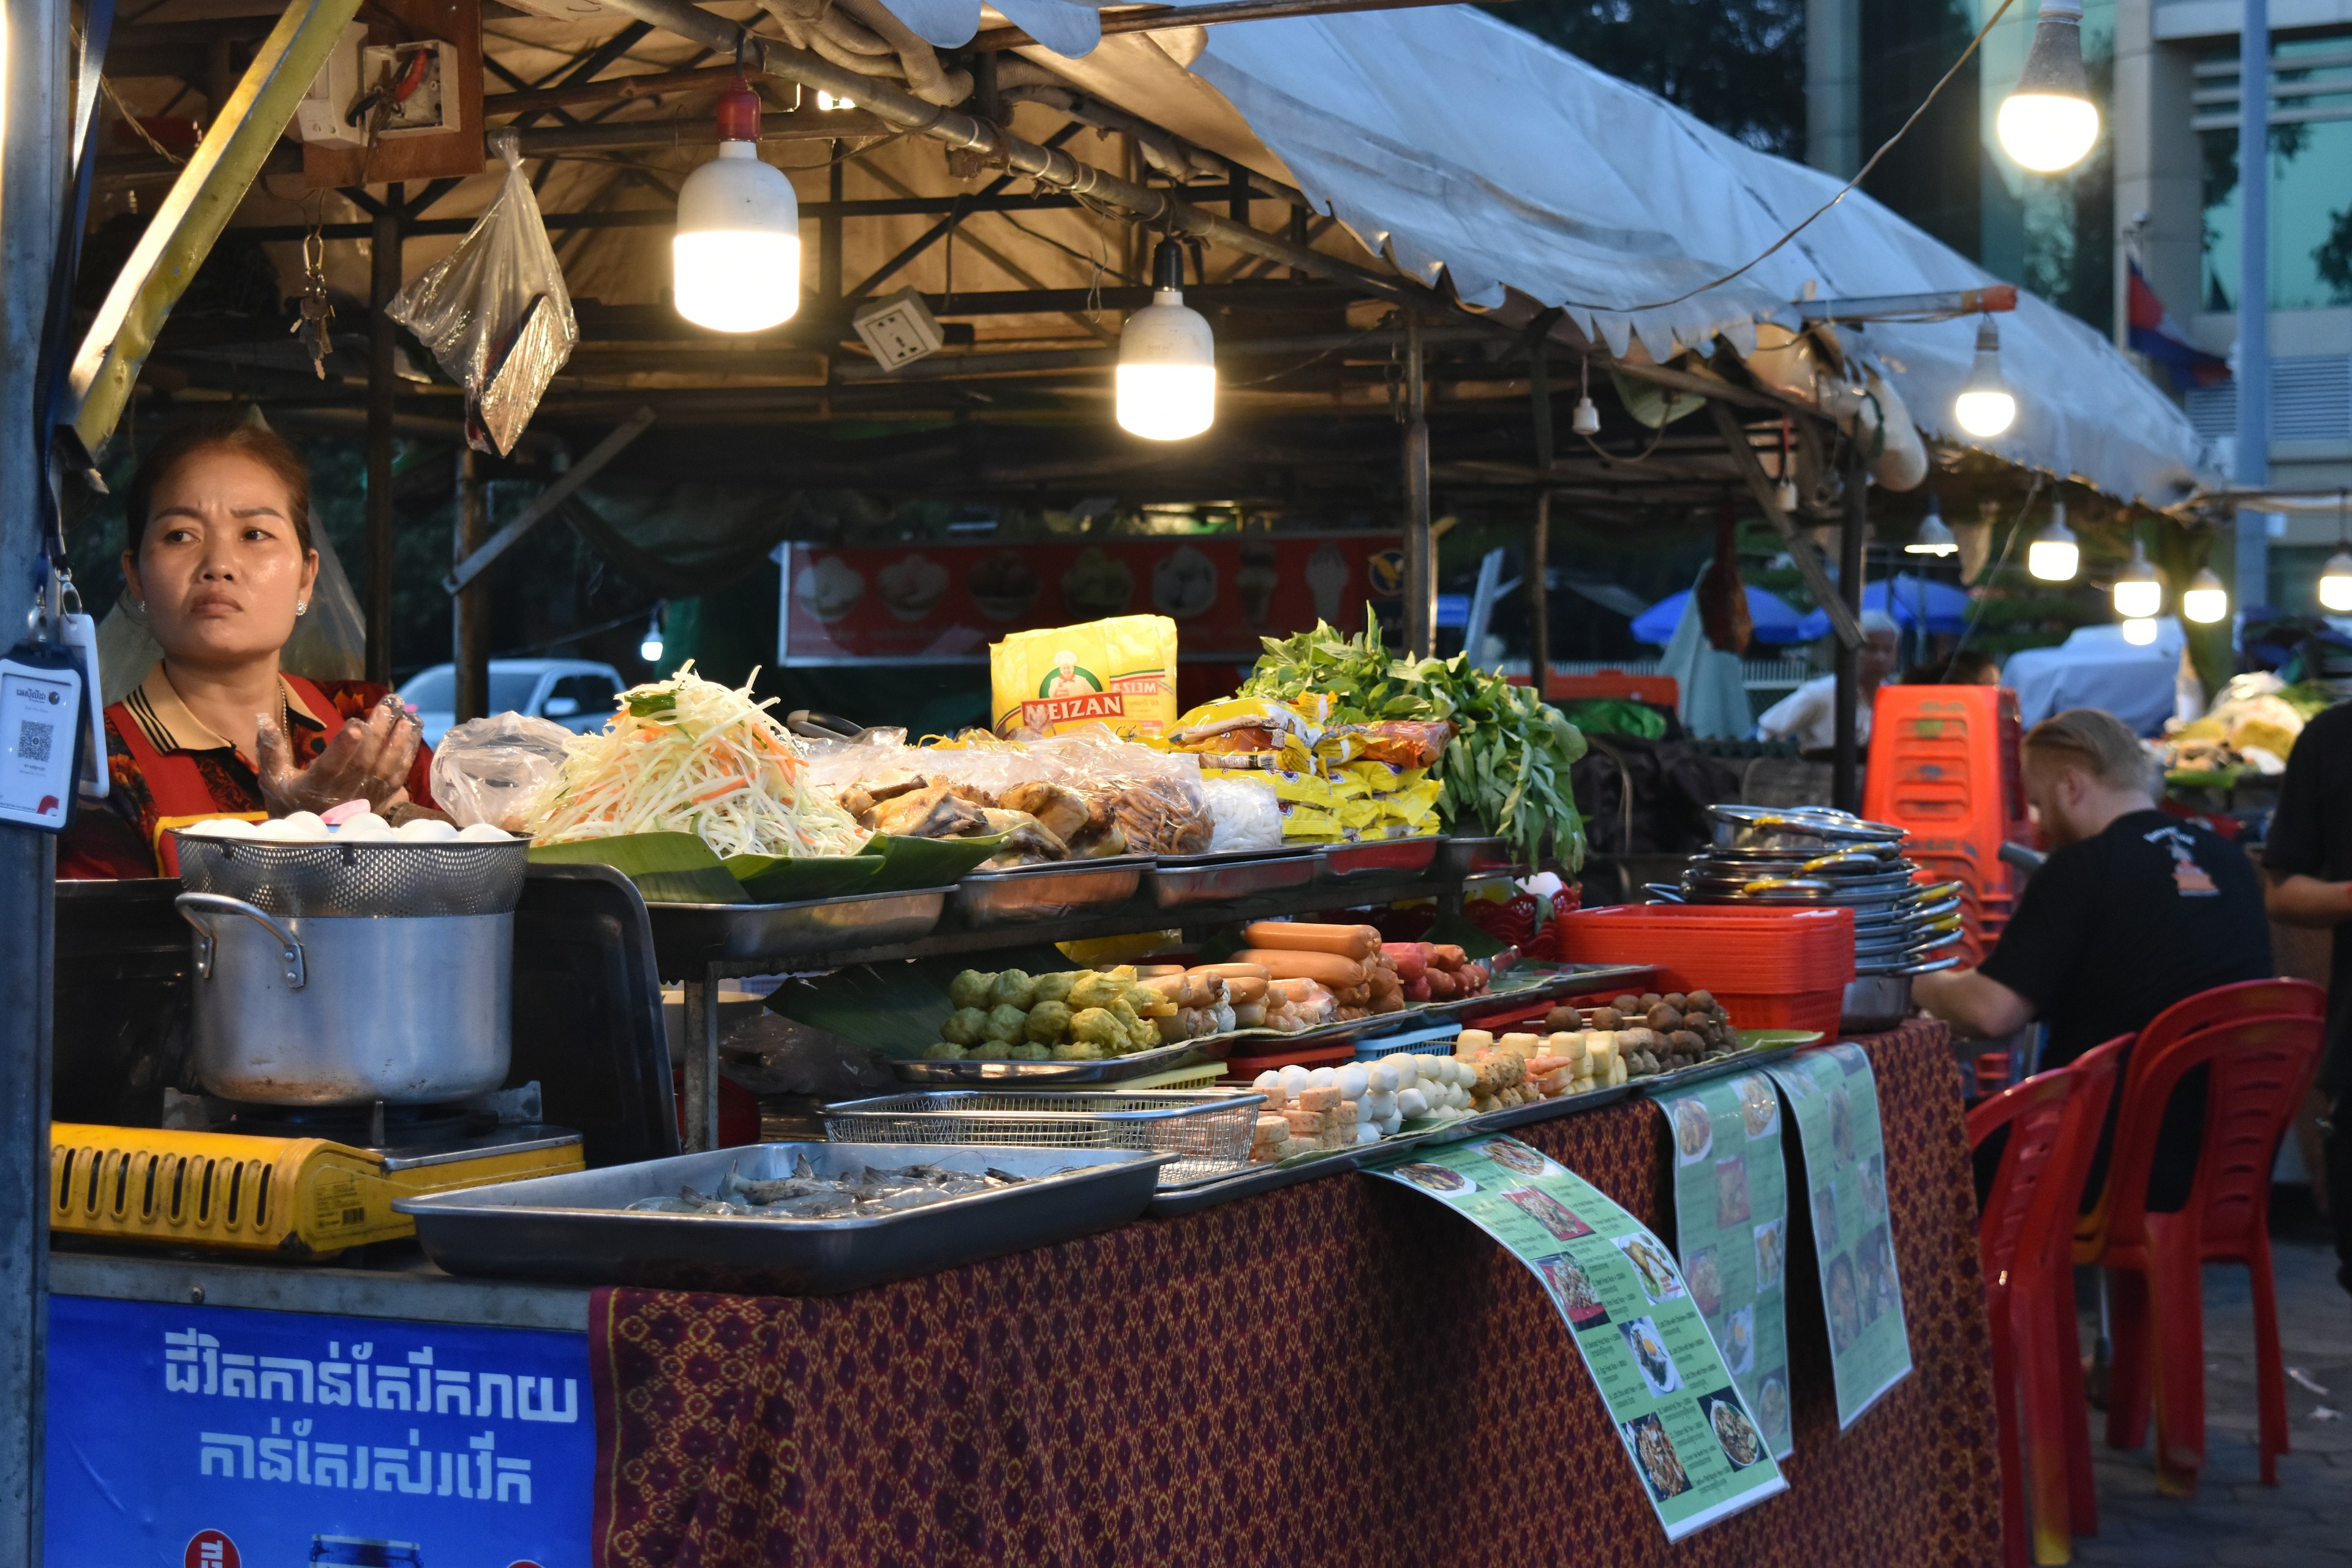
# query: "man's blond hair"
{"type": "Point", "coordinates": [2099, 744]}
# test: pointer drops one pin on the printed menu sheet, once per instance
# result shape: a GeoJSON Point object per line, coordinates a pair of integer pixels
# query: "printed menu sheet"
{"type": "Point", "coordinates": [1833, 1096]}
{"type": "Point", "coordinates": [1688, 1429]}
{"type": "Point", "coordinates": [1731, 1228]}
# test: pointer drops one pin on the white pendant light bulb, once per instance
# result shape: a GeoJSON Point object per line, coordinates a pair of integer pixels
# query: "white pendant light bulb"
{"type": "Point", "coordinates": [1167, 359]}
{"type": "Point", "coordinates": [2205, 601]}
{"type": "Point", "coordinates": [2335, 577]}
{"type": "Point", "coordinates": [1985, 407]}
{"type": "Point", "coordinates": [1785, 493]}
{"type": "Point", "coordinates": [1935, 535]}
{"type": "Point", "coordinates": [2048, 122]}
{"type": "Point", "coordinates": [2139, 631]}
{"type": "Point", "coordinates": [735, 261]}
{"type": "Point", "coordinates": [2139, 592]}
{"type": "Point", "coordinates": [650, 650]}
{"type": "Point", "coordinates": [2054, 556]}
{"type": "Point", "coordinates": [1586, 420]}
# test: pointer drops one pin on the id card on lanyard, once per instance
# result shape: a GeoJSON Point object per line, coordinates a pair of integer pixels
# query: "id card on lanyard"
{"type": "Point", "coordinates": [40, 735]}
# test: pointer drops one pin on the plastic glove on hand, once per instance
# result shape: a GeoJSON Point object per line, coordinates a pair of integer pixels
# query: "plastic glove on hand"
{"type": "Point", "coordinates": [368, 760]}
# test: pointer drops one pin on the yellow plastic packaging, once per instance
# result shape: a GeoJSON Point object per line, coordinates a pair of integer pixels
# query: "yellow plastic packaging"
{"type": "Point", "coordinates": [1120, 672]}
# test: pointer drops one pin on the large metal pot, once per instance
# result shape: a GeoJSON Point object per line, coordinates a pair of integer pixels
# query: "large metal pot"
{"type": "Point", "coordinates": [344, 1010]}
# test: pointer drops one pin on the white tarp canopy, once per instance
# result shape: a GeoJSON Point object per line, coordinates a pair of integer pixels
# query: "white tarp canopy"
{"type": "Point", "coordinates": [1458, 144]}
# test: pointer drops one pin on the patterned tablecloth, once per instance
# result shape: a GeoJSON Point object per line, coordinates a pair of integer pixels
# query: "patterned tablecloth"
{"type": "Point", "coordinates": [1338, 1373]}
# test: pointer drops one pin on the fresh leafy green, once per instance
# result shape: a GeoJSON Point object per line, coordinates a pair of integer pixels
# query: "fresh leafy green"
{"type": "Point", "coordinates": [1506, 771]}
{"type": "Point", "coordinates": [644, 705]}
{"type": "Point", "coordinates": [668, 868]}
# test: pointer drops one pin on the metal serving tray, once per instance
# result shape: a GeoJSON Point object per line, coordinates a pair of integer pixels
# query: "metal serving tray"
{"type": "Point", "coordinates": [1207, 1131]}
{"type": "Point", "coordinates": [1377, 856]}
{"type": "Point", "coordinates": [1048, 892]}
{"type": "Point", "coordinates": [1179, 881]}
{"type": "Point", "coordinates": [1034, 1075]}
{"type": "Point", "coordinates": [689, 935]}
{"type": "Point", "coordinates": [570, 1228]}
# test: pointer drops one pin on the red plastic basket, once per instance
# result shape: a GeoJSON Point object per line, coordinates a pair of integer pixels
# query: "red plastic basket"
{"type": "Point", "coordinates": [1743, 950]}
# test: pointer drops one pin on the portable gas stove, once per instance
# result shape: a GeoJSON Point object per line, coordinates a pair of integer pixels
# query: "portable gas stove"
{"type": "Point", "coordinates": [300, 1183]}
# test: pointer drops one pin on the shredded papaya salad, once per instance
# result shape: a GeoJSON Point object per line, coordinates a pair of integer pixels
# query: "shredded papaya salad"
{"type": "Point", "coordinates": [689, 755]}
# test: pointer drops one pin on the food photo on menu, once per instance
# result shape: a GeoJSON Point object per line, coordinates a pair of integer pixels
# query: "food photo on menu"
{"type": "Point", "coordinates": [1732, 1430]}
{"type": "Point", "coordinates": [1654, 1457]}
{"type": "Point", "coordinates": [1573, 1289]}
{"type": "Point", "coordinates": [1549, 1212]}
{"type": "Point", "coordinates": [1659, 1279]}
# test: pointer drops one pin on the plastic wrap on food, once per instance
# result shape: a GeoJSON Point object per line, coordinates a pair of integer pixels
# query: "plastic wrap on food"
{"type": "Point", "coordinates": [492, 769]}
{"type": "Point", "coordinates": [495, 312]}
{"type": "Point", "coordinates": [1245, 813]}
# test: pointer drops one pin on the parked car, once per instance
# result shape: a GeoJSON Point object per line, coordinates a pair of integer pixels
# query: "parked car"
{"type": "Point", "coordinates": [573, 692]}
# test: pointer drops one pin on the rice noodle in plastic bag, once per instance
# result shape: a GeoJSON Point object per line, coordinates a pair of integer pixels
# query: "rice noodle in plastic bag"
{"type": "Point", "coordinates": [494, 311]}
{"type": "Point", "coordinates": [491, 769]}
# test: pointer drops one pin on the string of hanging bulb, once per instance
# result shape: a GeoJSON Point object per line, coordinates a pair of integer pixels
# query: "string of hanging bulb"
{"type": "Point", "coordinates": [1167, 379]}
{"type": "Point", "coordinates": [2054, 556]}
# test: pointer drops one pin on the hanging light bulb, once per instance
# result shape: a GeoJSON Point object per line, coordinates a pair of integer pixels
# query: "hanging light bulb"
{"type": "Point", "coordinates": [2139, 631]}
{"type": "Point", "coordinates": [650, 650]}
{"type": "Point", "coordinates": [2139, 592]}
{"type": "Point", "coordinates": [1586, 420]}
{"type": "Point", "coordinates": [735, 261]}
{"type": "Point", "coordinates": [1167, 359]}
{"type": "Point", "coordinates": [2205, 601]}
{"type": "Point", "coordinates": [2054, 556]}
{"type": "Point", "coordinates": [2335, 577]}
{"type": "Point", "coordinates": [2048, 121]}
{"type": "Point", "coordinates": [1935, 535]}
{"type": "Point", "coordinates": [1785, 493]}
{"type": "Point", "coordinates": [1985, 406]}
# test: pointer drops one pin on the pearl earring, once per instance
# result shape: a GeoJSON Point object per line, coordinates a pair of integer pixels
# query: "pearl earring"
{"type": "Point", "coordinates": [301, 606]}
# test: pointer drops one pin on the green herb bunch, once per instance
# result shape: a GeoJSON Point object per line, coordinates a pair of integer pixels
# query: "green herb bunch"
{"type": "Point", "coordinates": [1506, 769]}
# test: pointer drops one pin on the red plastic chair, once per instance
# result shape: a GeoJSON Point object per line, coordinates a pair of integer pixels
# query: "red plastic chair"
{"type": "Point", "coordinates": [2023, 1241]}
{"type": "Point", "coordinates": [2155, 1303]}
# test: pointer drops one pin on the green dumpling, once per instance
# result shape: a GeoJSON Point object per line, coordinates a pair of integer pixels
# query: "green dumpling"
{"type": "Point", "coordinates": [1014, 988]}
{"type": "Point", "coordinates": [1005, 1023]}
{"type": "Point", "coordinates": [1055, 987]}
{"type": "Point", "coordinates": [1048, 1022]}
{"type": "Point", "coordinates": [971, 989]}
{"type": "Point", "coordinates": [943, 1051]}
{"type": "Point", "coordinates": [964, 1027]}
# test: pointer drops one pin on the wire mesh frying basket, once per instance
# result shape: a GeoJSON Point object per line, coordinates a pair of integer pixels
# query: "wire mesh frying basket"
{"type": "Point", "coordinates": [371, 878]}
{"type": "Point", "coordinates": [1207, 1131]}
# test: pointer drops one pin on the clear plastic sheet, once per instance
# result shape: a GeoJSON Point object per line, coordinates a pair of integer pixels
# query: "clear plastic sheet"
{"type": "Point", "coordinates": [491, 769]}
{"type": "Point", "coordinates": [494, 311]}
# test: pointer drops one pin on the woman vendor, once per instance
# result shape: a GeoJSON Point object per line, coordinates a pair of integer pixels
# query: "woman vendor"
{"type": "Point", "coordinates": [220, 560]}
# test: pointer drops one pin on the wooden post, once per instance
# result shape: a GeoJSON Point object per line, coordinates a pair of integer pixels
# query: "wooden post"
{"type": "Point", "coordinates": [828, 236]}
{"type": "Point", "coordinates": [469, 639]}
{"type": "Point", "coordinates": [1420, 548]}
{"type": "Point", "coordinates": [1538, 597]}
{"type": "Point", "coordinates": [384, 282]}
{"type": "Point", "coordinates": [1845, 773]}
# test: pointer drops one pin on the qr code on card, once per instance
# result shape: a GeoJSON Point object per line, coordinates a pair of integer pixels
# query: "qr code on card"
{"type": "Point", "coordinates": [33, 740]}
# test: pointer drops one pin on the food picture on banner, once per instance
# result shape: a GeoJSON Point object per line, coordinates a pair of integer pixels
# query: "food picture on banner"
{"type": "Point", "coordinates": [1825, 1215]}
{"type": "Point", "coordinates": [1705, 1280]}
{"type": "Point", "coordinates": [1772, 1253]}
{"type": "Point", "coordinates": [1759, 1106]}
{"type": "Point", "coordinates": [1183, 583]}
{"type": "Point", "coordinates": [1842, 1124]}
{"type": "Point", "coordinates": [912, 586]}
{"type": "Point", "coordinates": [1733, 1430]}
{"type": "Point", "coordinates": [1549, 1212]}
{"type": "Point", "coordinates": [1772, 1401]}
{"type": "Point", "coordinates": [1873, 1174]}
{"type": "Point", "coordinates": [1731, 1191]}
{"type": "Point", "coordinates": [1258, 576]}
{"type": "Point", "coordinates": [1659, 1282]}
{"type": "Point", "coordinates": [1514, 1155]}
{"type": "Point", "coordinates": [1654, 1457]}
{"type": "Point", "coordinates": [1437, 1179]}
{"type": "Point", "coordinates": [829, 587]}
{"type": "Point", "coordinates": [1573, 1290]}
{"type": "Point", "coordinates": [1879, 1292]}
{"type": "Point", "coordinates": [1693, 1131]}
{"type": "Point", "coordinates": [1096, 585]}
{"type": "Point", "coordinates": [1739, 1341]}
{"type": "Point", "coordinates": [1649, 1352]}
{"type": "Point", "coordinates": [1003, 586]}
{"type": "Point", "coordinates": [2133, 910]}
{"type": "Point", "coordinates": [1846, 1304]}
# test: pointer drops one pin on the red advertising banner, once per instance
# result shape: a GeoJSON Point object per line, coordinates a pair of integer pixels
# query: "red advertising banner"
{"type": "Point", "coordinates": [946, 602]}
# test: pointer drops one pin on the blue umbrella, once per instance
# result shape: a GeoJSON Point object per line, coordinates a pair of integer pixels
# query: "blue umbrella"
{"type": "Point", "coordinates": [1775, 618]}
{"type": "Point", "coordinates": [1946, 607]}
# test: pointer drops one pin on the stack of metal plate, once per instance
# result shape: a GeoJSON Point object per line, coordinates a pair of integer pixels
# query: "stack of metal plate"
{"type": "Point", "coordinates": [1811, 857]}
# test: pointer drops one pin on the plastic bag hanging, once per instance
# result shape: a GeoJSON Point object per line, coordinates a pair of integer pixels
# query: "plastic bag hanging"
{"type": "Point", "coordinates": [494, 311]}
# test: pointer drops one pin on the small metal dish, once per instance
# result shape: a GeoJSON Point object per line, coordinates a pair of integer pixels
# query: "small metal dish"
{"type": "Point", "coordinates": [1379, 857]}
{"type": "Point", "coordinates": [687, 936]}
{"type": "Point", "coordinates": [1480, 856]}
{"type": "Point", "coordinates": [1048, 892]}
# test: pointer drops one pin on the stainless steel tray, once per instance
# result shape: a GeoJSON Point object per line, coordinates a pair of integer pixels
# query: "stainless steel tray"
{"type": "Point", "coordinates": [1488, 1122]}
{"type": "Point", "coordinates": [1207, 1131]}
{"type": "Point", "coordinates": [1462, 858]}
{"type": "Point", "coordinates": [1179, 881]}
{"type": "Point", "coordinates": [1026, 1075]}
{"type": "Point", "coordinates": [689, 935]}
{"type": "Point", "coordinates": [1754, 1060]}
{"type": "Point", "coordinates": [1379, 857]}
{"type": "Point", "coordinates": [571, 1227]}
{"type": "Point", "coordinates": [1047, 892]}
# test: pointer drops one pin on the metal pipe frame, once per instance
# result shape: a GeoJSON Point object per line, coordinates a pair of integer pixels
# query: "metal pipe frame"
{"type": "Point", "coordinates": [1845, 769]}
{"type": "Point", "coordinates": [1161, 18]}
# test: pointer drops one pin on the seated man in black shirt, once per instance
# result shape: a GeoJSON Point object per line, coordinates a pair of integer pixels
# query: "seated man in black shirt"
{"type": "Point", "coordinates": [2133, 912]}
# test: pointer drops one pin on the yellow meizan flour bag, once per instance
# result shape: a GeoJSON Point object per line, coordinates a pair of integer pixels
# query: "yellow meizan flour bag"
{"type": "Point", "coordinates": [1120, 672]}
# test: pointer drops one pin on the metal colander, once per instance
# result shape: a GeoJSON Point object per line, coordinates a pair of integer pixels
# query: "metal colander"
{"type": "Point", "coordinates": [374, 880]}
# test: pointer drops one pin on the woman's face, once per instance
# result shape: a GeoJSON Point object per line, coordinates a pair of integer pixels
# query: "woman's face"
{"type": "Point", "coordinates": [220, 567]}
